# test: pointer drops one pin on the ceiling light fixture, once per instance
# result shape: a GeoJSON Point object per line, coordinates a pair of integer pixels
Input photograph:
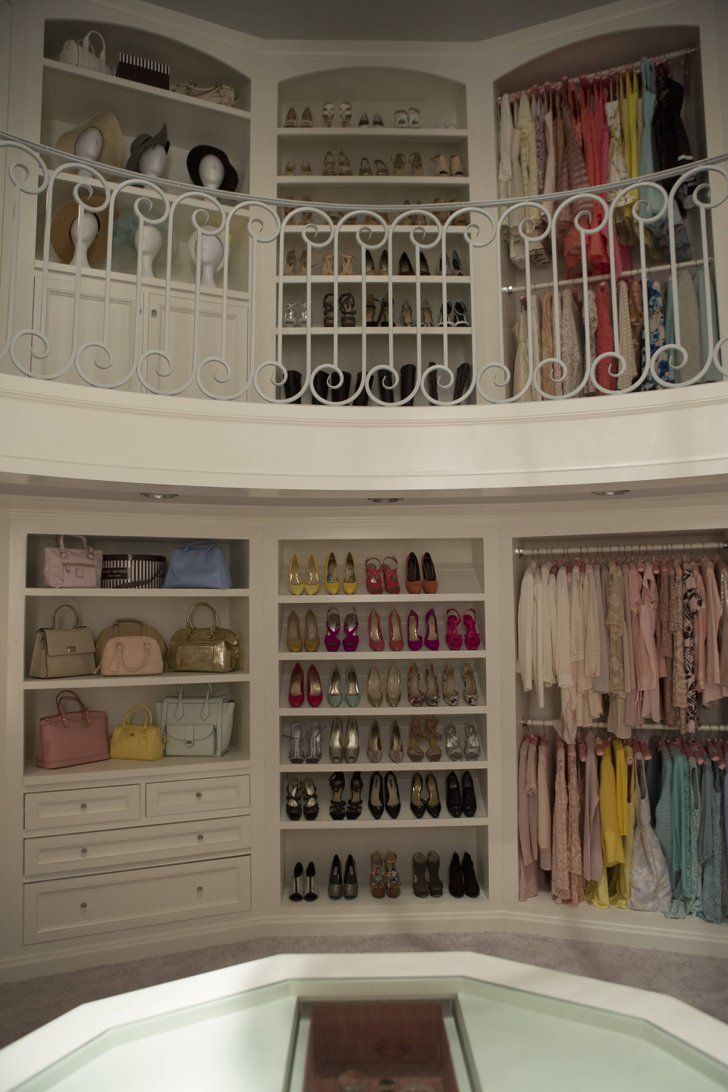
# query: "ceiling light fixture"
{"type": "Point", "coordinates": [384, 500]}
{"type": "Point", "coordinates": [160, 496]}
{"type": "Point", "coordinates": [610, 492]}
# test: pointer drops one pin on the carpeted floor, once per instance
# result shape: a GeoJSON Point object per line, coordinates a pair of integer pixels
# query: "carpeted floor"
{"type": "Point", "coordinates": [699, 980]}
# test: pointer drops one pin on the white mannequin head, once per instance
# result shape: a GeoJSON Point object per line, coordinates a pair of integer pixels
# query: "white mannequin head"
{"type": "Point", "coordinates": [89, 231]}
{"type": "Point", "coordinates": [151, 243]}
{"type": "Point", "coordinates": [211, 172]}
{"type": "Point", "coordinates": [211, 256]}
{"type": "Point", "coordinates": [89, 143]}
{"type": "Point", "coordinates": [152, 161]}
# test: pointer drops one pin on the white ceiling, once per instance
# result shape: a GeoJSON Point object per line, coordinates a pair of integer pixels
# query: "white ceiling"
{"type": "Point", "coordinates": [381, 20]}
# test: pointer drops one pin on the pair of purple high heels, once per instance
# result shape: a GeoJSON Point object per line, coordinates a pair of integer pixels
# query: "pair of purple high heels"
{"type": "Point", "coordinates": [350, 640]}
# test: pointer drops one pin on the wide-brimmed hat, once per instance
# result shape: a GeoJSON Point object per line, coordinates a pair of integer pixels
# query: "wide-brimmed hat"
{"type": "Point", "coordinates": [62, 222]}
{"type": "Point", "coordinates": [140, 144]}
{"type": "Point", "coordinates": [111, 135]}
{"type": "Point", "coordinates": [230, 178]}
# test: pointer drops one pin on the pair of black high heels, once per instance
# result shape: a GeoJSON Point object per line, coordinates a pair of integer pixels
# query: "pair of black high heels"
{"type": "Point", "coordinates": [302, 799]}
{"type": "Point", "coordinates": [461, 801]}
{"type": "Point", "coordinates": [303, 887]}
{"type": "Point", "coordinates": [343, 885]}
{"type": "Point", "coordinates": [340, 808]}
{"type": "Point", "coordinates": [462, 879]}
{"type": "Point", "coordinates": [384, 795]}
{"type": "Point", "coordinates": [421, 803]}
{"type": "Point", "coordinates": [347, 309]}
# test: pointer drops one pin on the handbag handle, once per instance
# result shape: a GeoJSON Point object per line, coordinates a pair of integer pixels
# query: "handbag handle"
{"type": "Point", "coordinates": [65, 695]}
{"type": "Point", "coordinates": [62, 547]}
{"type": "Point", "coordinates": [136, 622]}
{"type": "Point", "coordinates": [120, 659]}
{"type": "Point", "coordinates": [66, 606]}
{"type": "Point", "coordinates": [148, 719]}
{"type": "Point", "coordinates": [215, 620]}
{"type": "Point", "coordinates": [202, 544]}
{"type": "Point", "coordinates": [87, 44]}
{"type": "Point", "coordinates": [205, 712]}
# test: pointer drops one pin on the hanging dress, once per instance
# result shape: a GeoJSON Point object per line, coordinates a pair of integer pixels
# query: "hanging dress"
{"type": "Point", "coordinates": [591, 826]}
{"type": "Point", "coordinates": [663, 810]}
{"type": "Point", "coordinates": [560, 881]}
{"type": "Point", "coordinates": [620, 876]}
{"type": "Point", "coordinates": [522, 372]}
{"type": "Point", "coordinates": [605, 339]}
{"type": "Point", "coordinates": [710, 841]}
{"type": "Point", "coordinates": [571, 344]}
{"type": "Point", "coordinates": [576, 880]}
{"type": "Point", "coordinates": [527, 851]}
{"type": "Point", "coordinates": [650, 876]}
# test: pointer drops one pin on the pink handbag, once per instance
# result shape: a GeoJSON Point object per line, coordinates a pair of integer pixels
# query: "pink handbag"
{"type": "Point", "coordinates": [70, 739]}
{"type": "Point", "coordinates": [132, 656]}
{"type": "Point", "coordinates": [64, 567]}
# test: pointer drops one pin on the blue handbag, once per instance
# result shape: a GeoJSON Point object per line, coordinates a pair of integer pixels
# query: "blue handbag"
{"type": "Point", "coordinates": [198, 565]}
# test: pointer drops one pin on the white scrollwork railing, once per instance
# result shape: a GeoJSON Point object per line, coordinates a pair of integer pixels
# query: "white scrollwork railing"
{"type": "Point", "coordinates": [116, 280]}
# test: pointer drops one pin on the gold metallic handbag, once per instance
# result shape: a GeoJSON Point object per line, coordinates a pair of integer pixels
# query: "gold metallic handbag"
{"type": "Point", "coordinates": [212, 649]}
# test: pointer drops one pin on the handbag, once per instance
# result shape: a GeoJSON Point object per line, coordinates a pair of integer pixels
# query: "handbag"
{"type": "Point", "coordinates": [127, 627]}
{"type": "Point", "coordinates": [137, 741]}
{"type": "Point", "coordinates": [71, 738]}
{"type": "Point", "coordinates": [79, 53]}
{"type": "Point", "coordinates": [221, 93]}
{"type": "Point", "coordinates": [212, 649]}
{"type": "Point", "coordinates": [65, 567]}
{"type": "Point", "coordinates": [198, 565]}
{"type": "Point", "coordinates": [132, 656]}
{"type": "Point", "coordinates": [196, 726]}
{"type": "Point", "coordinates": [60, 653]}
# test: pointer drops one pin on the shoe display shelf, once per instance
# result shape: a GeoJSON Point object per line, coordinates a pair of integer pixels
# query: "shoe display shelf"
{"type": "Point", "coordinates": [442, 132]}
{"type": "Point", "coordinates": [459, 571]}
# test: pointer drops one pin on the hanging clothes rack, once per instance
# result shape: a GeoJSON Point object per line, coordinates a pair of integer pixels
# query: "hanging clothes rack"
{"type": "Point", "coordinates": [541, 722]}
{"type": "Point", "coordinates": [649, 270]}
{"type": "Point", "coordinates": [621, 548]}
{"type": "Point", "coordinates": [605, 72]}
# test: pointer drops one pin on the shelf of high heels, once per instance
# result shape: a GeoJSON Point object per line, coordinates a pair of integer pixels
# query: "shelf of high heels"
{"type": "Point", "coordinates": [405, 709]}
{"type": "Point", "coordinates": [370, 132]}
{"type": "Point", "coordinates": [323, 599]}
{"type": "Point", "coordinates": [399, 229]}
{"type": "Point", "coordinates": [373, 179]}
{"type": "Point", "coordinates": [371, 278]}
{"type": "Point", "coordinates": [328, 331]}
{"type": "Point", "coordinates": [363, 652]}
{"type": "Point", "coordinates": [404, 821]}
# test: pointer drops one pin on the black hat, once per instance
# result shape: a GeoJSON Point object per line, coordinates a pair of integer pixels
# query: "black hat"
{"type": "Point", "coordinates": [230, 178]}
{"type": "Point", "coordinates": [140, 144]}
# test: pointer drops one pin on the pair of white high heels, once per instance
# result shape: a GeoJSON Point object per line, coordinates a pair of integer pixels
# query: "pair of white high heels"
{"type": "Point", "coordinates": [407, 119]}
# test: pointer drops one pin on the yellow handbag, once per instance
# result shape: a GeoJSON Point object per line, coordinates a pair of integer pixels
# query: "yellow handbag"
{"type": "Point", "coordinates": [137, 741]}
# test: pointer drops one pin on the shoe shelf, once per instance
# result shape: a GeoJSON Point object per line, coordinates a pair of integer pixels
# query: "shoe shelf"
{"type": "Point", "coordinates": [381, 711]}
{"type": "Point", "coordinates": [371, 278]}
{"type": "Point", "coordinates": [406, 902]}
{"type": "Point", "coordinates": [390, 601]}
{"type": "Point", "coordinates": [404, 821]}
{"type": "Point", "coordinates": [364, 653]}
{"type": "Point", "coordinates": [329, 331]}
{"type": "Point", "coordinates": [399, 229]}
{"type": "Point", "coordinates": [366, 767]}
{"type": "Point", "coordinates": [370, 132]}
{"type": "Point", "coordinates": [365, 180]}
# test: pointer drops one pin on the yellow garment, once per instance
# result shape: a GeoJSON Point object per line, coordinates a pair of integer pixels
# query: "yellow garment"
{"type": "Point", "coordinates": [620, 877]}
{"type": "Point", "coordinates": [629, 116]}
{"type": "Point", "coordinates": [597, 892]}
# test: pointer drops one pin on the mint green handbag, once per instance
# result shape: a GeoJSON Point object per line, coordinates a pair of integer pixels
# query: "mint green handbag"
{"type": "Point", "coordinates": [198, 727]}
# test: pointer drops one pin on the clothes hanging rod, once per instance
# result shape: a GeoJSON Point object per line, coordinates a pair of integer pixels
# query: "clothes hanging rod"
{"type": "Point", "coordinates": [621, 548]}
{"type": "Point", "coordinates": [630, 67]}
{"type": "Point", "coordinates": [541, 722]}
{"type": "Point", "coordinates": [519, 288]}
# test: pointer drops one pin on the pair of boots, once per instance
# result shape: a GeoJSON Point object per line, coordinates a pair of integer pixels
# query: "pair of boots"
{"type": "Point", "coordinates": [293, 383]}
{"type": "Point", "coordinates": [407, 374]}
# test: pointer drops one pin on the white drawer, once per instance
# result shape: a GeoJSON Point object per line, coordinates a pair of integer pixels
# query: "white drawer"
{"type": "Point", "coordinates": [78, 853]}
{"type": "Point", "coordinates": [200, 796]}
{"type": "Point", "coordinates": [82, 807]}
{"type": "Point", "coordinates": [57, 909]}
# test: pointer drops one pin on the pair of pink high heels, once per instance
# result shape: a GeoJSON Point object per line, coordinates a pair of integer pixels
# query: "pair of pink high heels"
{"type": "Point", "coordinates": [453, 638]}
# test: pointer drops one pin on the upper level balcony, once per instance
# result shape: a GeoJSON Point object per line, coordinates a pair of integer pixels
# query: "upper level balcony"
{"type": "Point", "coordinates": [154, 331]}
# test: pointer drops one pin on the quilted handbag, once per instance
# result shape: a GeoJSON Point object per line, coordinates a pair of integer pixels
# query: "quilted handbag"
{"type": "Point", "coordinates": [132, 656]}
{"type": "Point", "coordinates": [137, 741]}
{"type": "Point", "coordinates": [127, 627]}
{"type": "Point", "coordinates": [212, 649]}
{"type": "Point", "coordinates": [71, 738]}
{"type": "Point", "coordinates": [61, 653]}
{"type": "Point", "coordinates": [198, 565]}
{"type": "Point", "coordinates": [66, 567]}
{"type": "Point", "coordinates": [196, 726]}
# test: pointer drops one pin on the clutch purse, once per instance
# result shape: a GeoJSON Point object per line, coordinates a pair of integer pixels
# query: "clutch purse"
{"type": "Point", "coordinates": [66, 567]}
{"type": "Point", "coordinates": [137, 741]}
{"type": "Point", "coordinates": [60, 653]}
{"type": "Point", "coordinates": [71, 738]}
{"type": "Point", "coordinates": [198, 565]}
{"type": "Point", "coordinates": [196, 726]}
{"type": "Point", "coordinates": [212, 649]}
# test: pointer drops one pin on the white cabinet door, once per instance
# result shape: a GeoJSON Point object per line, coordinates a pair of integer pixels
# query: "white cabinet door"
{"type": "Point", "coordinates": [70, 808]}
{"type": "Point", "coordinates": [193, 340]}
{"type": "Point", "coordinates": [59, 327]}
{"type": "Point", "coordinates": [200, 796]}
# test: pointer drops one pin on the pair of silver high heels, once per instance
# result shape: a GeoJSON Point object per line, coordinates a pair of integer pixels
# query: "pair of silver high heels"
{"type": "Point", "coordinates": [344, 743]}
{"type": "Point", "coordinates": [304, 743]}
{"type": "Point", "coordinates": [456, 750]}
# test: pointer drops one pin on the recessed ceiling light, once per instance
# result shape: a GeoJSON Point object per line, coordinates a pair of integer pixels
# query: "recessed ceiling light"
{"type": "Point", "coordinates": [610, 492]}
{"type": "Point", "coordinates": [160, 496]}
{"type": "Point", "coordinates": [384, 500]}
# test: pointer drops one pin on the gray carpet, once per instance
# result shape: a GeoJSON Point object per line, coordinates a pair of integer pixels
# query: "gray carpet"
{"type": "Point", "coordinates": [701, 981]}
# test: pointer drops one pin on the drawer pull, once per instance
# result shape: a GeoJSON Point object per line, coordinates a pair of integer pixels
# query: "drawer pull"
{"type": "Point", "coordinates": [200, 837]}
{"type": "Point", "coordinates": [84, 807]}
{"type": "Point", "coordinates": [200, 890]}
{"type": "Point", "coordinates": [198, 796]}
{"type": "Point", "coordinates": [84, 851]}
{"type": "Point", "coordinates": [83, 905]}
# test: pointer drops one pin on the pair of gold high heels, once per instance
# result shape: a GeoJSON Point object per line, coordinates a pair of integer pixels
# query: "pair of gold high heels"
{"type": "Point", "coordinates": [295, 642]}
{"type": "Point", "coordinates": [312, 583]}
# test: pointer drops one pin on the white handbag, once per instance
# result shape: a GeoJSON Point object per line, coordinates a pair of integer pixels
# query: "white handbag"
{"type": "Point", "coordinates": [80, 54]}
{"type": "Point", "coordinates": [196, 727]}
